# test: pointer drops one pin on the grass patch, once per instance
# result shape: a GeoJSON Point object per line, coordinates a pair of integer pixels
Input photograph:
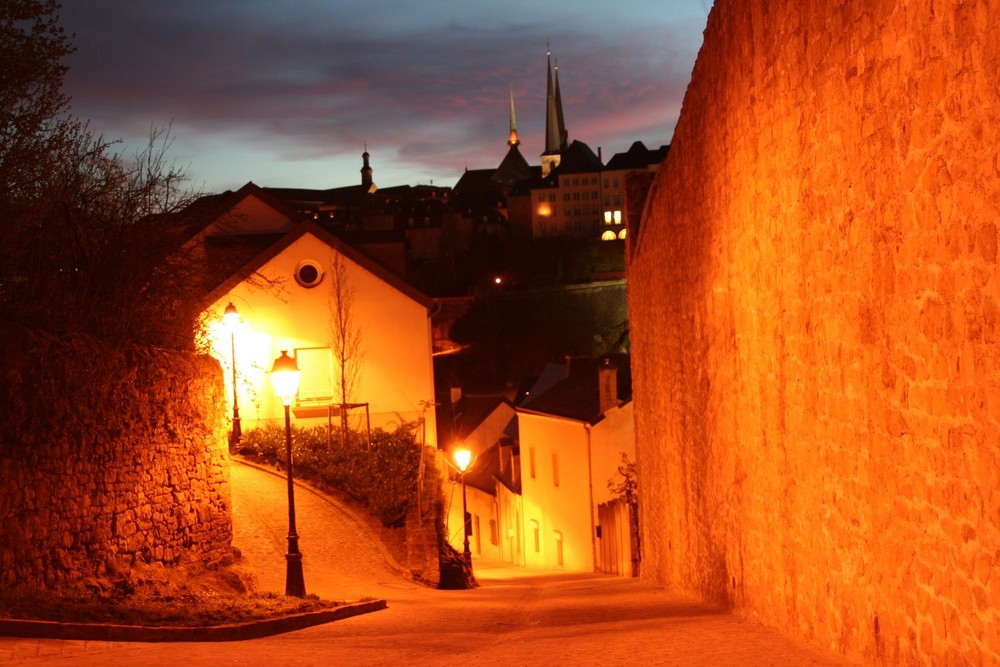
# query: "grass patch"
{"type": "Point", "coordinates": [149, 606]}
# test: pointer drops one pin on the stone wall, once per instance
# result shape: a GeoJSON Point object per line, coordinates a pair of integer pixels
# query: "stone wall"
{"type": "Point", "coordinates": [110, 458]}
{"type": "Point", "coordinates": [815, 303]}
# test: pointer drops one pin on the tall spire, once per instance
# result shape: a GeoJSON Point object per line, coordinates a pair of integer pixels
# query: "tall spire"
{"type": "Point", "coordinates": [551, 112]}
{"type": "Point", "coordinates": [513, 141]}
{"type": "Point", "coordinates": [563, 134]}
{"type": "Point", "coordinates": [554, 132]}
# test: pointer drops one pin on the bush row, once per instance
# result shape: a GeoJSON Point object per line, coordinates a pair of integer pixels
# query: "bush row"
{"type": "Point", "coordinates": [380, 475]}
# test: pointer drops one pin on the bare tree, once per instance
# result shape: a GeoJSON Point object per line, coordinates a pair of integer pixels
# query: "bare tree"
{"type": "Point", "coordinates": [345, 335]}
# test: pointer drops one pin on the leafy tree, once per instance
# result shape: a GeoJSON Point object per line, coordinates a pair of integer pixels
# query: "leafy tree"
{"type": "Point", "coordinates": [34, 129]}
{"type": "Point", "coordinates": [84, 227]}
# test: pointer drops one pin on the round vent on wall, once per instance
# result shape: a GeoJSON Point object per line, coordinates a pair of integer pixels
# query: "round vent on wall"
{"type": "Point", "coordinates": [308, 274]}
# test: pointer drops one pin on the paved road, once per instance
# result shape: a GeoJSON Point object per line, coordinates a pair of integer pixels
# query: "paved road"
{"type": "Point", "coordinates": [514, 618]}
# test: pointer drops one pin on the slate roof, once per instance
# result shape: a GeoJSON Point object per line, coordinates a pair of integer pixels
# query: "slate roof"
{"type": "Point", "coordinates": [457, 420]}
{"type": "Point", "coordinates": [239, 274]}
{"type": "Point", "coordinates": [637, 157]}
{"type": "Point", "coordinates": [577, 396]}
{"type": "Point", "coordinates": [578, 158]}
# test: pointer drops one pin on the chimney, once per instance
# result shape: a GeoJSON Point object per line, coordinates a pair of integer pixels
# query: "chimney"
{"type": "Point", "coordinates": [607, 385]}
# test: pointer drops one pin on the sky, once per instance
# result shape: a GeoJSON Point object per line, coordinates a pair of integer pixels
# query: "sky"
{"type": "Point", "coordinates": [290, 93]}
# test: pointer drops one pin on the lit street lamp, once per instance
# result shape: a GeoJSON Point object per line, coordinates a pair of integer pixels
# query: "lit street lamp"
{"type": "Point", "coordinates": [463, 461]}
{"type": "Point", "coordinates": [285, 380]}
{"type": "Point", "coordinates": [231, 318]}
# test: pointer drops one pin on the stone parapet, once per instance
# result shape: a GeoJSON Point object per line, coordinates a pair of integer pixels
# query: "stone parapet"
{"type": "Point", "coordinates": [110, 458]}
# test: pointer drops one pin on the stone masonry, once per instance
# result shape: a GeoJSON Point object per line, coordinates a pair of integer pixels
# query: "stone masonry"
{"type": "Point", "coordinates": [110, 459]}
{"type": "Point", "coordinates": [815, 310]}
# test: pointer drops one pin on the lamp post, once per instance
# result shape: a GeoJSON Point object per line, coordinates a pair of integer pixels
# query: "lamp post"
{"type": "Point", "coordinates": [285, 379]}
{"type": "Point", "coordinates": [231, 318]}
{"type": "Point", "coordinates": [463, 461]}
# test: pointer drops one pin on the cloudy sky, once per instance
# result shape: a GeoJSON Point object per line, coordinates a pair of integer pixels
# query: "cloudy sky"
{"type": "Point", "coordinates": [288, 93]}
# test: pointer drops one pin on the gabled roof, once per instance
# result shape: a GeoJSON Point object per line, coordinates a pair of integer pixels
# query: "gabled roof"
{"type": "Point", "coordinates": [457, 420]}
{"type": "Point", "coordinates": [577, 158]}
{"type": "Point", "coordinates": [205, 211]}
{"type": "Point", "coordinates": [487, 471]}
{"type": "Point", "coordinates": [577, 396]}
{"type": "Point", "coordinates": [474, 180]}
{"type": "Point", "coordinates": [309, 227]}
{"type": "Point", "coordinates": [513, 169]}
{"type": "Point", "coordinates": [637, 157]}
{"type": "Point", "coordinates": [229, 200]}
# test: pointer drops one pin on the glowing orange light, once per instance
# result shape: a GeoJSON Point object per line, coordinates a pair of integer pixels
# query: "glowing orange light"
{"type": "Point", "coordinates": [463, 459]}
{"type": "Point", "coordinates": [544, 210]}
{"type": "Point", "coordinates": [285, 377]}
{"type": "Point", "coordinates": [231, 318]}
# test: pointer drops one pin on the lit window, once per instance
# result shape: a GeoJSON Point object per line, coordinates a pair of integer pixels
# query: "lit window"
{"type": "Point", "coordinates": [621, 235]}
{"type": "Point", "coordinates": [316, 374]}
{"type": "Point", "coordinates": [608, 236]}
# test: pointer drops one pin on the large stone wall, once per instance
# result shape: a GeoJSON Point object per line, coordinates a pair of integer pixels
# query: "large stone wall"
{"type": "Point", "coordinates": [815, 304]}
{"type": "Point", "coordinates": [110, 459]}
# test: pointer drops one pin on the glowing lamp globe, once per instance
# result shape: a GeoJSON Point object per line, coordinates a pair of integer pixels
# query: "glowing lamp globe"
{"type": "Point", "coordinates": [231, 318]}
{"type": "Point", "coordinates": [285, 377]}
{"type": "Point", "coordinates": [463, 458]}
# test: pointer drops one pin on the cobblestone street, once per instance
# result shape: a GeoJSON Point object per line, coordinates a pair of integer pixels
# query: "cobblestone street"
{"type": "Point", "coordinates": [514, 618]}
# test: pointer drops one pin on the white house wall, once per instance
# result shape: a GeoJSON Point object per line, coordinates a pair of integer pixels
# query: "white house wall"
{"type": "Point", "coordinates": [588, 457]}
{"type": "Point", "coordinates": [396, 376]}
{"type": "Point", "coordinates": [556, 510]}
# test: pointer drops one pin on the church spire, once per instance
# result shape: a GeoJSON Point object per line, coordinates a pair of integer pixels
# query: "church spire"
{"type": "Point", "coordinates": [513, 141]}
{"type": "Point", "coordinates": [563, 134]}
{"type": "Point", "coordinates": [554, 132]}
{"type": "Point", "coordinates": [551, 113]}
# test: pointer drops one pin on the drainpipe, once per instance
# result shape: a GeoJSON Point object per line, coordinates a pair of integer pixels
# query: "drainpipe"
{"type": "Point", "coordinates": [590, 486]}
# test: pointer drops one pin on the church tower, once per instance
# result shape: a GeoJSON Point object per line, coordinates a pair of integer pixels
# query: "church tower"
{"type": "Point", "coordinates": [366, 171]}
{"type": "Point", "coordinates": [514, 167]}
{"type": "Point", "coordinates": [555, 130]}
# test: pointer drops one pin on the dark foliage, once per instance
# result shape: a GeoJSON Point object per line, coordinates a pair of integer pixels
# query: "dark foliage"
{"type": "Point", "coordinates": [381, 476]}
{"type": "Point", "coordinates": [513, 336]}
{"type": "Point", "coordinates": [84, 228]}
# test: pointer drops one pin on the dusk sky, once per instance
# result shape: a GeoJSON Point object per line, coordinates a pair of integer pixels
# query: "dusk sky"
{"type": "Point", "coordinates": [287, 94]}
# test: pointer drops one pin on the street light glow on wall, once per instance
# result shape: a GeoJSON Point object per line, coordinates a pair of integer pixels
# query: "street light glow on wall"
{"type": "Point", "coordinates": [285, 380]}
{"type": "Point", "coordinates": [231, 320]}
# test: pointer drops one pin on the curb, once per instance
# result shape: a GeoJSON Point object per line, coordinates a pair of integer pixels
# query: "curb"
{"type": "Point", "coordinates": [212, 633]}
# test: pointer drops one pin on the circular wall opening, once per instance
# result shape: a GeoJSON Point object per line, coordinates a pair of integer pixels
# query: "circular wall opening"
{"type": "Point", "coordinates": [308, 273]}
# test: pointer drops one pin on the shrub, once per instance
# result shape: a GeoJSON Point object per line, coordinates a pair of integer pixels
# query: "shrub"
{"type": "Point", "coordinates": [381, 476]}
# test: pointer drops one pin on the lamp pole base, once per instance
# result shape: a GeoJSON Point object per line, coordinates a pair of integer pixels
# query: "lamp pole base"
{"type": "Point", "coordinates": [295, 583]}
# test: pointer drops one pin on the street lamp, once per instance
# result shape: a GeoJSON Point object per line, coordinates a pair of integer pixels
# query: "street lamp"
{"type": "Point", "coordinates": [231, 318]}
{"type": "Point", "coordinates": [285, 380]}
{"type": "Point", "coordinates": [463, 461]}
